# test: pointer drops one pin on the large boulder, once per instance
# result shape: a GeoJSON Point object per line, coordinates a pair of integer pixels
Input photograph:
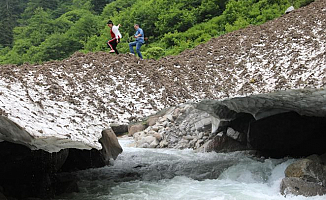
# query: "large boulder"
{"type": "Point", "coordinates": [305, 177]}
{"type": "Point", "coordinates": [84, 159]}
{"type": "Point", "coordinates": [297, 186]}
{"type": "Point", "coordinates": [110, 145]}
{"type": "Point", "coordinates": [310, 169]}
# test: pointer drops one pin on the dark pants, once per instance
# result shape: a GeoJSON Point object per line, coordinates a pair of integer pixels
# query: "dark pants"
{"type": "Point", "coordinates": [113, 45]}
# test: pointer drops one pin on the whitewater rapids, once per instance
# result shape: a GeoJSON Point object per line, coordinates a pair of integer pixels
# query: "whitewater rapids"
{"type": "Point", "coordinates": [168, 174]}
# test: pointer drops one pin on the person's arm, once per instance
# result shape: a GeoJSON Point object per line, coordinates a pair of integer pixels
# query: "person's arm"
{"type": "Point", "coordinates": [140, 34]}
{"type": "Point", "coordinates": [115, 30]}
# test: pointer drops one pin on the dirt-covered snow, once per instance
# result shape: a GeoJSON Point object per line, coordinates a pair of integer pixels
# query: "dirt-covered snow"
{"type": "Point", "coordinates": [72, 100]}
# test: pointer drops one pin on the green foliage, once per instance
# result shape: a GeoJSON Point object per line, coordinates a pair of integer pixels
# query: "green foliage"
{"type": "Point", "coordinates": [35, 4]}
{"type": "Point", "coordinates": [237, 14]}
{"type": "Point", "coordinates": [37, 30]}
{"type": "Point", "coordinates": [98, 5]}
{"type": "Point", "coordinates": [10, 11]}
{"type": "Point", "coordinates": [154, 52]}
{"type": "Point", "coordinates": [238, 24]}
{"type": "Point", "coordinates": [58, 46]}
{"type": "Point", "coordinates": [300, 3]}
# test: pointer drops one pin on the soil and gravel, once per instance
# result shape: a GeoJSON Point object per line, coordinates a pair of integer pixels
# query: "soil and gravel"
{"type": "Point", "coordinates": [97, 89]}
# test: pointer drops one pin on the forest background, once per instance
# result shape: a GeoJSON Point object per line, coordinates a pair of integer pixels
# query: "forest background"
{"type": "Point", "coordinates": [35, 31]}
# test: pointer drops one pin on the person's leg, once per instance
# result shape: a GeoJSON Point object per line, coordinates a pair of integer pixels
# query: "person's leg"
{"type": "Point", "coordinates": [138, 45]}
{"type": "Point", "coordinates": [131, 47]}
{"type": "Point", "coordinates": [114, 46]}
{"type": "Point", "coordinates": [110, 42]}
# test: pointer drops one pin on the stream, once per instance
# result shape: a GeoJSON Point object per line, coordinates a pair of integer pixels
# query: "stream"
{"type": "Point", "coordinates": [168, 174]}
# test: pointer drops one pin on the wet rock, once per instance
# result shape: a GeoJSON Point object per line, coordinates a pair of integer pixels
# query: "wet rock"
{"type": "Point", "coordinates": [309, 169]}
{"type": "Point", "coordinates": [305, 177]}
{"type": "Point", "coordinates": [297, 186]}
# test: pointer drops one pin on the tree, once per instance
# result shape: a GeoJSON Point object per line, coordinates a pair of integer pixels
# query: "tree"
{"type": "Point", "coordinates": [35, 4]}
{"type": "Point", "coordinates": [38, 27]}
{"type": "Point", "coordinates": [9, 13]}
{"type": "Point", "coordinates": [98, 5]}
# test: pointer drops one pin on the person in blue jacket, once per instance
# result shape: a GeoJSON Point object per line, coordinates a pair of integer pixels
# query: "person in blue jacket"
{"type": "Point", "coordinates": [139, 35]}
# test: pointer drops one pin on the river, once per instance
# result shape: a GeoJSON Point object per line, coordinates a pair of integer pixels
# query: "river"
{"type": "Point", "coordinates": [168, 174]}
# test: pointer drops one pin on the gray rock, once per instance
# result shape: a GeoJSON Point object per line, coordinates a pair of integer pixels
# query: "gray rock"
{"type": "Point", "coordinates": [165, 123]}
{"type": "Point", "coordinates": [158, 136]}
{"type": "Point", "coordinates": [309, 169]}
{"type": "Point", "coordinates": [148, 139]}
{"type": "Point", "coordinates": [188, 137]}
{"type": "Point", "coordinates": [155, 128]}
{"type": "Point", "coordinates": [200, 135]}
{"type": "Point", "coordinates": [163, 144]}
{"type": "Point", "coordinates": [232, 134]}
{"type": "Point", "coordinates": [151, 132]}
{"type": "Point", "coordinates": [199, 143]}
{"type": "Point", "coordinates": [110, 145]}
{"type": "Point", "coordinates": [134, 128]}
{"type": "Point", "coordinates": [152, 120]}
{"type": "Point", "coordinates": [144, 145]}
{"type": "Point", "coordinates": [170, 118]}
{"type": "Point", "coordinates": [297, 186]}
{"type": "Point", "coordinates": [154, 143]}
{"type": "Point", "coordinates": [223, 144]}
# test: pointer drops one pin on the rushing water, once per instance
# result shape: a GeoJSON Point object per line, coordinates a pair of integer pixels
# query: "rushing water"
{"type": "Point", "coordinates": [167, 174]}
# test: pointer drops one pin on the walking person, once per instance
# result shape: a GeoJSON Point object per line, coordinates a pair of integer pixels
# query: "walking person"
{"type": "Point", "coordinates": [115, 35]}
{"type": "Point", "coordinates": [139, 35]}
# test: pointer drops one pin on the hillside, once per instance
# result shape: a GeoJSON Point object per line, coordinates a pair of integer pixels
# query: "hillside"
{"type": "Point", "coordinates": [76, 98]}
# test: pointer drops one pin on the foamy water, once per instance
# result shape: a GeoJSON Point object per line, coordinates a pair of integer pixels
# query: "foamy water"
{"type": "Point", "coordinates": [164, 174]}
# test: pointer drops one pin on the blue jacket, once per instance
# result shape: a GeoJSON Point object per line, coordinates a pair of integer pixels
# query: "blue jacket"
{"type": "Point", "coordinates": [141, 38]}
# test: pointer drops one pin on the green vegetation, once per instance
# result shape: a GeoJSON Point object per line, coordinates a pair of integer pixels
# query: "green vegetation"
{"type": "Point", "coordinates": [36, 30]}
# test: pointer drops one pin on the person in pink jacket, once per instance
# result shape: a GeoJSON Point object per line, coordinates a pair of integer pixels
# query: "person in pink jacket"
{"type": "Point", "coordinates": [115, 35]}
